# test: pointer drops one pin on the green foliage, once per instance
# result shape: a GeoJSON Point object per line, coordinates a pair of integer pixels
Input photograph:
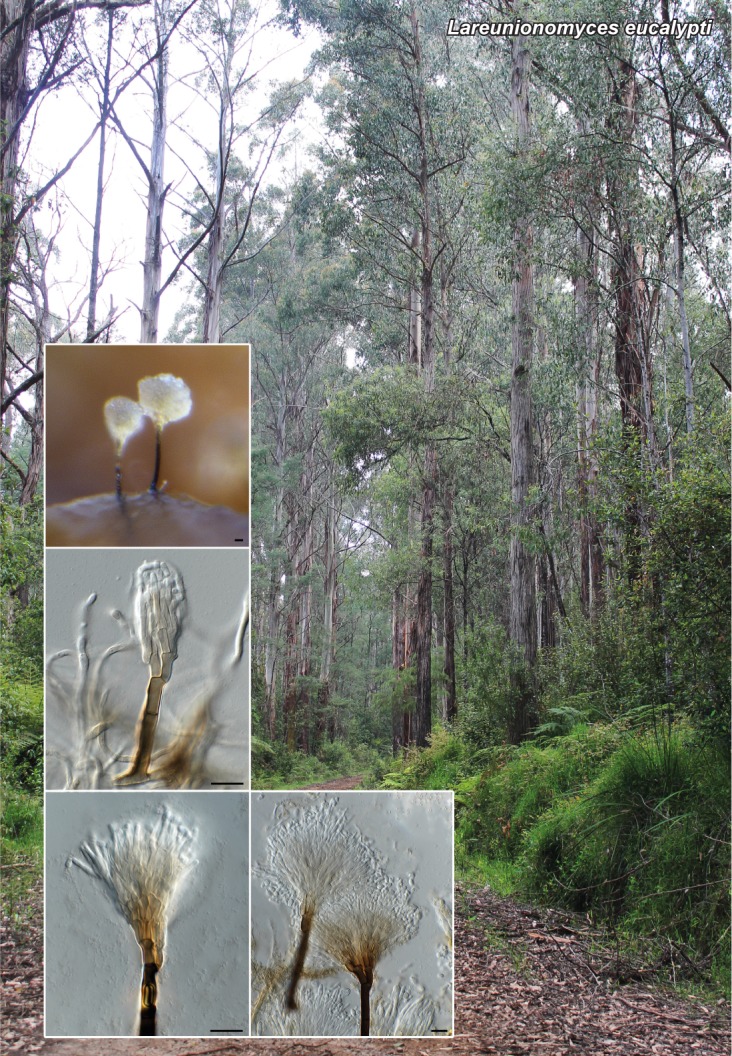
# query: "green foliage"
{"type": "Point", "coordinates": [631, 826]}
{"type": "Point", "coordinates": [21, 852]}
{"type": "Point", "coordinates": [276, 766]}
{"type": "Point", "coordinates": [485, 707]}
{"type": "Point", "coordinates": [384, 413]}
{"type": "Point", "coordinates": [21, 588]}
{"type": "Point", "coordinates": [21, 778]}
{"type": "Point", "coordinates": [22, 820]}
{"type": "Point", "coordinates": [520, 784]}
{"type": "Point", "coordinates": [21, 737]}
{"type": "Point", "coordinates": [648, 841]}
{"type": "Point", "coordinates": [663, 640]}
{"type": "Point", "coordinates": [445, 763]}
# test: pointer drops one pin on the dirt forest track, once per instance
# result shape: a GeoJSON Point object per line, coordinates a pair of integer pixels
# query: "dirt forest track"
{"type": "Point", "coordinates": [527, 981]}
{"type": "Point", "coordinates": [340, 784]}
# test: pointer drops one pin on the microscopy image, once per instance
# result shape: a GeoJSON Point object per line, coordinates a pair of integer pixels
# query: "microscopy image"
{"type": "Point", "coordinates": [352, 914]}
{"type": "Point", "coordinates": [147, 445]}
{"type": "Point", "coordinates": [146, 914]}
{"type": "Point", "coordinates": [147, 673]}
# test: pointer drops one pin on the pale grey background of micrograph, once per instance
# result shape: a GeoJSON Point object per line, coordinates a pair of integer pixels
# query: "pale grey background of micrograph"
{"type": "Point", "coordinates": [413, 831]}
{"type": "Point", "coordinates": [94, 964]}
{"type": "Point", "coordinates": [215, 581]}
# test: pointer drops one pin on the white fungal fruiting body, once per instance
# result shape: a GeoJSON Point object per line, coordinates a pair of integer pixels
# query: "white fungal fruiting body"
{"type": "Point", "coordinates": [358, 931]}
{"type": "Point", "coordinates": [164, 398]}
{"type": "Point", "coordinates": [314, 857]}
{"type": "Point", "coordinates": [123, 419]}
{"type": "Point", "coordinates": [142, 865]}
{"type": "Point", "coordinates": [338, 890]}
{"type": "Point", "coordinates": [159, 609]}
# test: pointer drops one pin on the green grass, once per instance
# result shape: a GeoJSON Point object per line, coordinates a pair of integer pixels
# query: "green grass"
{"type": "Point", "coordinates": [21, 852]}
{"type": "Point", "coordinates": [21, 779]}
{"type": "Point", "coordinates": [502, 877]}
{"type": "Point", "coordinates": [627, 825]}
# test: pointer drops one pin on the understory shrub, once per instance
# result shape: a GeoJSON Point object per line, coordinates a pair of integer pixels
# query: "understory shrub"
{"type": "Point", "coordinates": [444, 764]}
{"type": "Point", "coordinates": [629, 825]}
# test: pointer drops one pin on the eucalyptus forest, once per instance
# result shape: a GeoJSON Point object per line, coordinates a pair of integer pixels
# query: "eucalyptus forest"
{"type": "Point", "coordinates": [485, 279]}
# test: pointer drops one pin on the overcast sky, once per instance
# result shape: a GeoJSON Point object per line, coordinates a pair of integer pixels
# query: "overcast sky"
{"type": "Point", "coordinates": [65, 119]}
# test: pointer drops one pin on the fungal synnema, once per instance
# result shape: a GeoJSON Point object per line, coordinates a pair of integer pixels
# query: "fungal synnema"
{"type": "Point", "coordinates": [352, 909]}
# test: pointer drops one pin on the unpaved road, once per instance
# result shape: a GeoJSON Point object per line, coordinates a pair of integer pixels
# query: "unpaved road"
{"type": "Point", "coordinates": [341, 784]}
{"type": "Point", "coordinates": [528, 981]}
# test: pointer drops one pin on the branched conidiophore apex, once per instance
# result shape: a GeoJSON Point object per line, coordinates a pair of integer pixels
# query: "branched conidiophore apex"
{"type": "Point", "coordinates": [347, 907]}
{"type": "Point", "coordinates": [142, 865]}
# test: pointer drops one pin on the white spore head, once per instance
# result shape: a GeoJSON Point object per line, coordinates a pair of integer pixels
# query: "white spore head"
{"type": "Point", "coordinates": [123, 419]}
{"type": "Point", "coordinates": [159, 610]}
{"type": "Point", "coordinates": [164, 398]}
{"type": "Point", "coordinates": [314, 856]}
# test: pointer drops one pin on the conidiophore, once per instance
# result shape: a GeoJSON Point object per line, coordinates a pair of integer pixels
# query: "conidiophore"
{"type": "Point", "coordinates": [123, 418]}
{"type": "Point", "coordinates": [142, 866]}
{"type": "Point", "coordinates": [164, 399]}
{"type": "Point", "coordinates": [158, 614]}
{"type": "Point", "coordinates": [327, 872]}
{"type": "Point", "coordinates": [314, 857]}
{"type": "Point", "coordinates": [360, 930]}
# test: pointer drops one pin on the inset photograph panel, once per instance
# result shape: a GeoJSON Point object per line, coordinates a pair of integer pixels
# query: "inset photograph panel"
{"type": "Point", "coordinates": [147, 672]}
{"type": "Point", "coordinates": [146, 914]}
{"type": "Point", "coordinates": [352, 914]}
{"type": "Point", "coordinates": [147, 445]}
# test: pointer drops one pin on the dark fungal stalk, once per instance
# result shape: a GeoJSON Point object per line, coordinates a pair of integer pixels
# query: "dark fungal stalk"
{"type": "Point", "coordinates": [156, 470]}
{"type": "Point", "coordinates": [298, 965]}
{"type": "Point", "coordinates": [365, 976]}
{"type": "Point", "coordinates": [148, 1000]}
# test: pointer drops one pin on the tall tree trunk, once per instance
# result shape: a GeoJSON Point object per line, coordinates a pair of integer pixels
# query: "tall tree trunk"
{"type": "Point", "coordinates": [289, 679]}
{"type": "Point", "coordinates": [156, 189]}
{"type": "Point", "coordinates": [448, 503]}
{"type": "Point", "coordinates": [423, 709]}
{"type": "Point", "coordinates": [215, 245]}
{"type": "Point", "coordinates": [291, 665]}
{"type": "Point", "coordinates": [214, 278]}
{"type": "Point", "coordinates": [423, 704]}
{"type": "Point", "coordinates": [449, 604]}
{"type": "Point", "coordinates": [522, 576]}
{"type": "Point", "coordinates": [680, 266]}
{"type": "Point", "coordinates": [304, 566]}
{"type": "Point", "coordinates": [591, 559]}
{"type": "Point", "coordinates": [628, 283]}
{"type": "Point", "coordinates": [414, 348]}
{"type": "Point", "coordinates": [330, 582]}
{"type": "Point", "coordinates": [397, 663]}
{"type": "Point", "coordinates": [14, 49]}
{"type": "Point", "coordinates": [91, 321]}
{"type": "Point", "coordinates": [274, 605]}
{"type": "Point", "coordinates": [36, 419]}
{"type": "Point", "coordinates": [633, 312]}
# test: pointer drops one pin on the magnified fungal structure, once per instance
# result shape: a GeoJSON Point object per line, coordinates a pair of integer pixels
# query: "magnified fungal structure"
{"type": "Point", "coordinates": [143, 865]}
{"type": "Point", "coordinates": [159, 605]}
{"type": "Point", "coordinates": [347, 910]}
{"type": "Point", "coordinates": [108, 748]}
{"type": "Point", "coordinates": [163, 399]}
{"type": "Point", "coordinates": [123, 418]}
